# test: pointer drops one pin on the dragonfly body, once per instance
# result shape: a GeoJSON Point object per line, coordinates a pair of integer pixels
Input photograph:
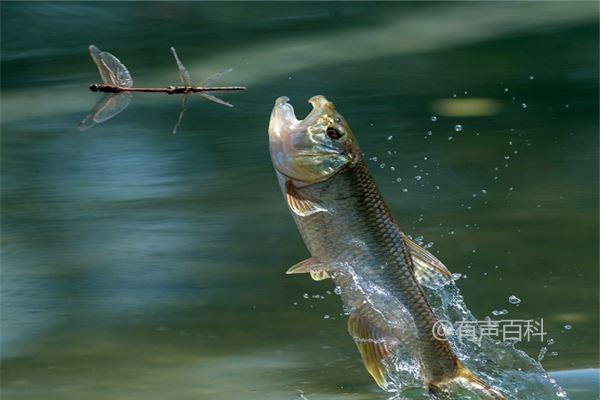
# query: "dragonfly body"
{"type": "Point", "coordinates": [97, 87]}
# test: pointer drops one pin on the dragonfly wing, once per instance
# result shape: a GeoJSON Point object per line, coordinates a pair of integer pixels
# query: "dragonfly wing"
{"type": "Point", "coordinates": [112, 71]}
{"type": "Point", "coordinates": [106, 108]}
{"type": "Point", "coordinates": [183, 109]}
{"type": "Point", "coordinates": [215, 99]}
{"type": "Point", "coordinates": [184, 75]}
{"type": "Point", "coordinates": [214, 77]}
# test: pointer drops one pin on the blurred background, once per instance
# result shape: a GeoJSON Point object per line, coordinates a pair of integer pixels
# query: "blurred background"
{"type": "Point", "coordinates": [137, 263]}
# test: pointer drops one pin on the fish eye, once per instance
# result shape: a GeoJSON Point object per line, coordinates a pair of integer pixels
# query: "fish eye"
{"type": "Point", "coordinates": [333, 133]}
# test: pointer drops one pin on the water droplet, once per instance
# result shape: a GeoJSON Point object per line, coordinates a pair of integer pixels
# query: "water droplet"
{"type": "Point", "coordinates": [505, 90]}
{"type": "Point", "coordinates": [398, 180]}
{"type": "Point", "coordinates": [512, 299]}
{"type": "Point", "coordinates": [500, 312]}
{"type": "Point", "coordinates": [337, 290]}
{"type": "Point", "coordinates": [484, 191]}
{"type": "Point", "coordinates": [450, 138]}
{"type": "Point", "coordinates": [418, 177]}
{"type": "Point", "coordinates": [454, 95]}
{"type": "Point", "coordinates": [458, 128]}
{"type": "Point", "coordinates": [392, 168]}
{"type": "Point", "coordinates": [437, 187]}
{"type": "Point", "coordinates": [530, 77]}
{"type": "Point", "coordinates": [382, 165]}
{"type": "Point", "coordinates": [542, 353]}
{"type": "Point", "coordinates": [433, 118]}
{"type": "Point", "coordinates": [305, 295]}
{"type": "Point", "coordinates": [326, 316]}
{"type": "Point", "coordinates": [550, 342]}
{"type": "Point", "coordinates": [523, 105]}
{"type": "Point", "coordinates": [456, 276]}
{"type": "Point", "coordinates": [405, 190]}
{"type": "Point", "coordinates": [568, 327]}
{"type": "Point", "coordinates": [390, 137]}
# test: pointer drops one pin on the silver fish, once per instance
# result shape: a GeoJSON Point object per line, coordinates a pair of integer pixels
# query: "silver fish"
{"type": "Point", "coordinates": [354, 240]}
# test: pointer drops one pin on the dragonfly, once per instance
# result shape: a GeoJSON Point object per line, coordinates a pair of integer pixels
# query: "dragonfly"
{"type": "Point", "coordinates": [117, 86]}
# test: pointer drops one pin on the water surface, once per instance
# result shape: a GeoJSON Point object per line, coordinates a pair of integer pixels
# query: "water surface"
{"type": "Point", "coordinates": [137, 263]}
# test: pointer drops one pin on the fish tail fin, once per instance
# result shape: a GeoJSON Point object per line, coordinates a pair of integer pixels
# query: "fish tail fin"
{"type": "Point", "coordinates": [472, 381]}
{"type": "Point", "coordinates": [478, 384]}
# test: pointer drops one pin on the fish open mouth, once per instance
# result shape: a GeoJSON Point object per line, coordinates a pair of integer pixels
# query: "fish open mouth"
{"type": "Point", "coordinates": [283, 119]}
{"type": "Point", "coordinates": [300, 149]}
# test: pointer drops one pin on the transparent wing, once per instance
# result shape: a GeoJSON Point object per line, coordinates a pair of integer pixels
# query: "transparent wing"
{"type": "Point", "coordinates": [106, 108]}
{"type": "Point", "coordinates": [215, 99]}
{"type": "Point", "coordinates": [214, 77]}
{"type": "Point", "coordinates": [183, 109]}
{"type": "Point", "coordinates": [184, 75]}
{"type": "Point", "coordinates": [112, 71]}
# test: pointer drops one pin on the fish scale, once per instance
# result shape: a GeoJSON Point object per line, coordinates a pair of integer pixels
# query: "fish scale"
{"type": "Point", "coordinates": [327, 236]}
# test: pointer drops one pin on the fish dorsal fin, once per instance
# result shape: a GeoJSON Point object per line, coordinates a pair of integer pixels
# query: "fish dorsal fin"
{"type": "Point", "coordinates": [299, 203]}
{"type": "Point", "coordinates": [316, 269]}
{"type": "Point", "coordinates": [427, 267]}
{"type": "Point", "coordinates": [375, 344]}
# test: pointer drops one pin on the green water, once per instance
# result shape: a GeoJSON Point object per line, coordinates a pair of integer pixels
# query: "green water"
{"type": "Point", "coordinates": [141, 264]}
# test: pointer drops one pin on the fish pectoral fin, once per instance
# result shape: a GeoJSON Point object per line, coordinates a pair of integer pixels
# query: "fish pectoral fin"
{"type": "Point", "coordinates": [312, 266]}
{"type": "Point", "coordinates": [299, 203]}
{"type": "Point", "coordinates": [427, 266]}
{"type": "Point", "coordinates": [374, 343]}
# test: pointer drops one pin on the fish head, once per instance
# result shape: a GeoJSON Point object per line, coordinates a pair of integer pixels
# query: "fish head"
{"type": "Point", "coordinates": [313, 149]}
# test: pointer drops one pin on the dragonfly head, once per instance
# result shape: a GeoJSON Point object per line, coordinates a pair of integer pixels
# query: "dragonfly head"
{"type": "Point", "coordinates": [313, 149]}
{"type": "Point", "coordinates": [94, 87]}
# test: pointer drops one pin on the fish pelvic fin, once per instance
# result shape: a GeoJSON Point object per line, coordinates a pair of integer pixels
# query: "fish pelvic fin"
{"type": "Point", "coordinates": [299, 203]}
{"type": "Point", "coordinates": [427, 268]}
{"type": "Point", "coordinates": [471, 381]}
{"type": "Point", "coordinates": [312, 266]}
{"type": "Point", "coordinates": [374, 343]}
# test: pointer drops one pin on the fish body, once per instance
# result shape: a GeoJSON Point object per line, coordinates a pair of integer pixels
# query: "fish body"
{"type": "Point", "coordinates": [354, 239]}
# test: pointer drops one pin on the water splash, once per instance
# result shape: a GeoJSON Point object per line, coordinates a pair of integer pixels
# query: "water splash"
{"type": "Point", "coordinates": [498, 363]}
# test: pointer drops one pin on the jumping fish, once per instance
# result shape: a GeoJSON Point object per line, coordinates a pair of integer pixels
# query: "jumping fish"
{"type": "Point", "coordinates": [354, 240]}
